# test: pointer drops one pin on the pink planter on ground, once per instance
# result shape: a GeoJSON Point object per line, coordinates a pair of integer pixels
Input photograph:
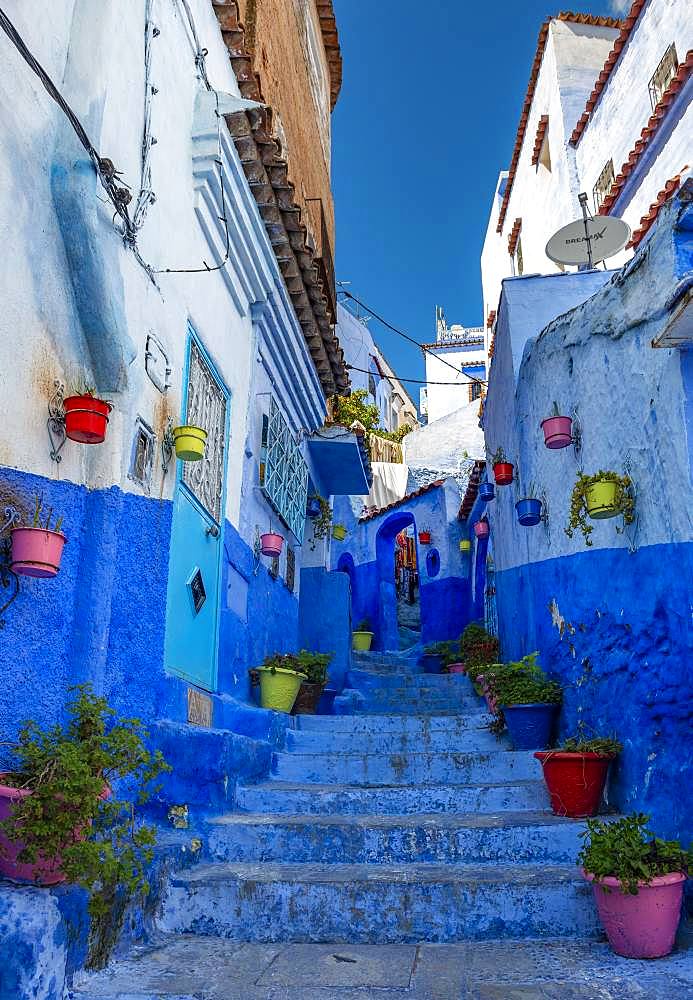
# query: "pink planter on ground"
{"type": "Point", "coordinates": [37, 552]}
{"type": "Point", "coordinates": [457, 668]}
{"type": "Point", "coordinates": [271, 544]}
{"type": "Point", "coordinates": [558, 432]}
{"type": "Point", "coordinates": [644, 925]}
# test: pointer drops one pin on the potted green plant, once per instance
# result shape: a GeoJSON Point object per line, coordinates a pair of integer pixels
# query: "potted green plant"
{"type": "Point", "coordinates": [575, 773]}
{"type": "Point", "coordinates": [477, 649]}
{"type": "Point", "coordinates": [502, 468]}
{"type": "Point", "coordinates": [280, 680]}
{"type": "Point", "coordinates": [525, 701]}
{"type": "Point", "coordinates": [86, 416]}
{"type": "Point", "coordinates": [603, 495]}
{"type": "Point", "coordinates": [362, 636]}
{"type": "Point", "coordinates": [322, 521]}
{"type": "Point", "coordinates": [637, 880]}
{"type": "Point", "coordinates": [314, 666]}
{"type": "Point", "coordinates": [558, 430]}
{"type": "Point", "coordinates": [59, 818]}
{"type": "Point", "coordinates": [38, 550]}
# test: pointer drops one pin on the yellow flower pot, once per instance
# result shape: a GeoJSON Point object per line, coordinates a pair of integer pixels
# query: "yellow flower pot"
{"type": "Point", "coordinates": [190, 443]}
{"type": "Point", "coordinates": [361, 641]}
{"type": "Point", "coordinates": [339, 532]}
{"type": "Point", "coordinates": [278, 688]}
{"type": "Point", "coordinates": [600, 499]}
{"type": "Point", "coordinates": [465, 545]}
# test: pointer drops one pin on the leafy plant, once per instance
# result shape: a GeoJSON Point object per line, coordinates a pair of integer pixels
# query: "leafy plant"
{"type": "Point", "coordinates": [555, 412]}
{"type": "Point", "coordinates": [498, 456]}
{"type": "Point", "coordinates": [448, 649]}
{"type": "Point", "coordinates": [323, 522]}
{"type": "Point", "coordinates": [518, 682]}
{"type": "Point", "coordinates": [313, 665]}
{"type": "Point", "coordinates": [38, 507]}
{"type": "Point", "coordinates": [624, 501]}
{"type": "Point", "coordinates": [627, 850]}
{"type": "Point", "coordinates": [530, 493]}
{"type": "Point", "coordinates": [604, 746]}
{"type": "Point", "coordinates": [72, 813]}
{"type": "Point", "coordinates": [364, 625]}
{"type": "Point", "coordinates": [347, 409]}
{"type": "Point", "coordinates": [477, 649]}
{"type": "Point", "coordinates": [397, 436]}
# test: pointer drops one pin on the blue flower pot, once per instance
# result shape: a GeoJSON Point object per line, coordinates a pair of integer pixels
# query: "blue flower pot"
{"type": "Point", "coordinates": [529, 725]}
{"type": "Point", "coordinates": [313, 508]}
{"type": "Point", "coordinates": [487, 491]}
{"type": "Point", "coordinates": [432, 663]}
{"type": "Point", "coordinates": [528, 512]}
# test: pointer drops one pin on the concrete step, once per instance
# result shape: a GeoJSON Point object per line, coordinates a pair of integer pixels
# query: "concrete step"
{"type": "Point", "coordinates": [314, 799]}
{"type": "Point", "coordinates": [467, 740]}
{"type": "Point", "coordinates": [365, 679]}
{"type": "Point", "coordinates": [375, 769]}
{"type": "Point", "coordinates": [414, 725]}
{"type": "Point", "coordinates": [380, 903]}
{"type": "Point", "coordinates": [503, 838]}
{"type": "Point", "coordinates": [425, 698]}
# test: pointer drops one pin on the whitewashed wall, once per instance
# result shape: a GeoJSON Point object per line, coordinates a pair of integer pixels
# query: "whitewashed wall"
{"type": "Point", "coordinates": [445, 399]}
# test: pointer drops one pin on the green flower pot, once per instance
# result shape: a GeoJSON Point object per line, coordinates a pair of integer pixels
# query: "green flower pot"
{"type": "Point", "coordinates": [279, 687]}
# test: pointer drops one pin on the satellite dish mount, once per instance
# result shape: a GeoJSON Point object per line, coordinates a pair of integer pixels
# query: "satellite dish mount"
{"type": "Point", "coordinates": [586, 216]}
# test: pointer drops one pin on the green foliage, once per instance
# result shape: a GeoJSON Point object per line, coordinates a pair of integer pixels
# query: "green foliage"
{"type": "Point", "coordinates": [522, 682]}
{"type": "Point", "coordinates": [498, 456]}
{"type": "Point", "coordinates": [313, 665]}
{"type": "Point", "coordinates": [38, 507]}
{"type": "Point", "coordinates": [347, 409]}
{"type": "Point", "coordinates": [323, 522]}
{"type": "Point", "coordinates": [624, 501]}
{"type": "Point", "coordinates": [449, 650]}
{"type": "Point", "coordinates": [627, 850]}
{"type": "Point", "coordinates": [397, 436]}
{"type": "Point", "coordinates": [364, 625]}
{"type": "Point", "coordinates": [477, 649]}
{"type": "Point", "coordinates": [70, 769]}
{"type": "Point", "coordinates": [605, 746]}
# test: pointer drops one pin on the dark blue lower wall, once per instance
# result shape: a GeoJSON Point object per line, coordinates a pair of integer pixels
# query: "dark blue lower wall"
{"type": "Point", "coordinates": [324, 619]}
{"type": "Point", "coordinates": [446, 607]}
{"type": "Point", "coordinates": [625, 652]}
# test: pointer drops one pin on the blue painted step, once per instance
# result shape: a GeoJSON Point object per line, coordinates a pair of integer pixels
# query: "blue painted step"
{"type": "Point", "coordinates": [419, 726]}
{"type": "Point", "coordinates": [421, 698]}
{"type": "Point", "coordinates": [449, 839]}
{"type": "Point", "coordinates": [379, 903]}
{"type": "Point", "coordinates": [405, 768]}
{"type": "Point", "coordinates": [289, 797]}
{"type": "Point", "coordinates": [464, 740]}
{"type": "Point", "coordinates": [364, 680]}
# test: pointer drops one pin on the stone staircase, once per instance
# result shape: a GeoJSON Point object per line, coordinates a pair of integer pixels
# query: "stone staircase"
{"type": "Point", "coordinates": [404, 822]}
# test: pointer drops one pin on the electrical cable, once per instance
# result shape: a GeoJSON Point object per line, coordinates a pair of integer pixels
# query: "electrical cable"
{"type": "Point", "coordinates": [401, 333]}
{"type": "Point", "coordinates": [419, 381]}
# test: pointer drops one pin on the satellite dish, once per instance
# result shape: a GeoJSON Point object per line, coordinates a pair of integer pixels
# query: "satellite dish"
{"type": "Point", "coordinates": [588, 240]}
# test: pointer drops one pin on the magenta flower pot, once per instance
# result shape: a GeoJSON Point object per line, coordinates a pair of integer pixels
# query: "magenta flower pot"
{"type": "Point", "coordinates": [271, 544]}
{"type": "Point", "coordinates": [644, 925]}
{"type": "Point", "coordinates": [558, 432]}
{"type": "Point", "coordinates": [481, 529]}
{"type": "Point", "coordinates": [457, 668]}
{"type": "Point", "coordinates": [37, 552]}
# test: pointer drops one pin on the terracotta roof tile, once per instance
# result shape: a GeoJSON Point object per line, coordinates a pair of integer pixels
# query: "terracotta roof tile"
{"type": "Point", "coordinates": [397, 503]}
{"type": "Point", "coordinates": [602, 22]}
{"type": "Point", "coordinates": [330, 39]}
{"type": "Point", "coordinates": [469, 498]}
{"type": "Point", "coordinates": [626, 27]}
{"type": "Point", "coordinates": [648, 220]}
{"type": "Point", "coordinates": [649, 131]}
{"type": "Point", "coordinates": [514, 236]}
{"type": "Point", "coordinates": [491, 319]}
{"type": "Point", "coordinates": [539, 138]}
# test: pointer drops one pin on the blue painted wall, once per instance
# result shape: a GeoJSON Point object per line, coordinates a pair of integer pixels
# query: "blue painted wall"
{"type": "Point", "coordinates": [324, 619]}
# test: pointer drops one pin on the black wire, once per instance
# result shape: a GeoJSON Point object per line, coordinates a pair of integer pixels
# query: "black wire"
{"type": "Point", "coordinates": [419, 381]}
{"type": "Point", "coordinates": [401, 333]}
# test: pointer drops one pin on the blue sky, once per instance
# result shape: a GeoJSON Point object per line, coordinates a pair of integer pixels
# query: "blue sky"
{"type": "Point", "coordinates": [426, 118]}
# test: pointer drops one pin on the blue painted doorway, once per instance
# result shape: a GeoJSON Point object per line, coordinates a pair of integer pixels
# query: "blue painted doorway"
{"type": "Point", "coordinates": [194, 579]}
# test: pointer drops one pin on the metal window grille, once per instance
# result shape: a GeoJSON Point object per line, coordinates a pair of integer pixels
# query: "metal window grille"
{"type": "Point", "coordinates": [283, 472]}
{"type": "Point", "coordinates": [490, 609]}
{"type": "Point", "coordinates": [206, 408]}
{"type": "Point", "coordinates": [603, 185]}
{"type": "Point", "coordinates": [290, 579]}
{"type": "Point", "coordinates": [142, 456]}
{"type": "Point", "coordinates": [474, 390]}
{"type": "Point", "coordinates": [663, 75]}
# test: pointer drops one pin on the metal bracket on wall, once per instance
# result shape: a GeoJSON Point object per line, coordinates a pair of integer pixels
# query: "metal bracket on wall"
{"type": "Point", "coordinates": [631, 530]}
{"type": "Point", "coordinates": [257, 550]}
{"type": "Point", "coordinates": [8, 578]}
{"type": "Point", "coordinates": [167, 446]}
{"type": "Point", "coordinates": [545, 516]}
{"type": "Point", "coordinates": [56, 421]}
{"type": "Point", "coordinates": [577, 433]}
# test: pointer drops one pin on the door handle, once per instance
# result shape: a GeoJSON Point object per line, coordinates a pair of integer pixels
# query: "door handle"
{"type": "Point", "coordinates": [212, 530]}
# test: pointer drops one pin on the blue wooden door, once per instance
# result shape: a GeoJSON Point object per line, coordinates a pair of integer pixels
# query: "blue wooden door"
{"type": "Point", "coordinates": [194, 580]}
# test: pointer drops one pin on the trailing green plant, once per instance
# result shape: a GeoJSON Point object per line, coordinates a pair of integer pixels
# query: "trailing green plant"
{"type": "Point", "coordinates": [72, 813]}
{"type": "Point", "coordinates": [603, 746]}
{"type": "Point", "coordinates": [498, 456]}
{"type": "Point", "coordinates": [36, 523]}
{"type": "Point", "coordinates": [364, 625]}
{"type": "Point", "coordinates": [347, 409]}
{"type": "Point", "coordinates": [624, 501]}
{"type": "Point", "coordinates": [477, 649]}
{"type": "Point", "coordinates": [627, 850]}
{"type": "Point", "coordinates": [323, 522]}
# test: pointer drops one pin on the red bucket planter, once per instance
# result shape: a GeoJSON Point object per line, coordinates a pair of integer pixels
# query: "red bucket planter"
{"type": "Point", "coordinates": [558, 432]}
{"type": "Point", "coordinates": [271, 544]}
{"type": "Point", "coordinates": [425, 537]}
{"type": "Point", "coordinates": [575, 781]}
{"type": "Point", "coordinates": [36, 551]}
{"type": "Point", "coordinates": [503, 473]}
{"type": "Point", "coordinates": [86, 419]}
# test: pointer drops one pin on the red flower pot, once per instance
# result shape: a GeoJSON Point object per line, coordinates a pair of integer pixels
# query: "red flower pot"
{"type": "Point", "coordinates": [481, 529]}
{"type": "Point", "coordinates": [558, 432]}
{"type": "Point", "coordinates": [86, 419]}
{"type": "Point", "coordinates": [425, 537]}
{"type": "Point", "coordinates": [575, 781]}
{"type": "Point", "coordinates": [271, 544]}
{"type": "Point", "coordinates": [503, 473]}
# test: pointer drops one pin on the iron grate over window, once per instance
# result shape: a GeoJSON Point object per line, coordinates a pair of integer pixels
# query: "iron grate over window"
{"type": "Point", "coordinates": [283, 472]}
{"type": "Point", "coordinates": [142, 455]}
{"type": "Point", "coordinates": [663, 75]}
{"type": "Point", "coordinates": [603, 185]}
{"type": "Point", "coordinates": [290, 579]}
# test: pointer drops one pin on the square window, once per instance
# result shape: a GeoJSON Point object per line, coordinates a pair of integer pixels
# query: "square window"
{"type": "Point", "coordinates": [663, 75]}
{"type": "Point", "coordinates": [603, 186]}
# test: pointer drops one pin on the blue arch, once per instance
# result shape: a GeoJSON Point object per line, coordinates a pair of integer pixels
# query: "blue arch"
{"type": "Point", "coordinates": [388, 629]}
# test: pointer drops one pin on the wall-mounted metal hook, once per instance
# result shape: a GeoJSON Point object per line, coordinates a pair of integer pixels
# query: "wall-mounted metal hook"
{"type": "Point", "coordinates": [8, 578]}
{"type": "Point", "coordinates": [544, 517]}
{"type": "Point", "coordinates": [631, 530]}
{"type": "Point", "coordinates": [576, 433]}
{"type": "Point", "coordinates": [167, 446]}
{"type": "Point", "coordinates": [56, 421]}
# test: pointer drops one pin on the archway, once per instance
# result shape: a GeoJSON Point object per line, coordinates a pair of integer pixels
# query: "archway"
{"type": "Point", "coordinates": [345, 564]}
{"type": "Point", "coordinates": [399, 616]}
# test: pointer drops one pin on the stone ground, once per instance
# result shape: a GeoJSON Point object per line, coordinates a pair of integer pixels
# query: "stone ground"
{"type": "Point", "coordinates": [199, 968]}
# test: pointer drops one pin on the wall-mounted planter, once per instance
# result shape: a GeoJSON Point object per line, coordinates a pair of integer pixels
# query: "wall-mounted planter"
{"type": "Point", "coordinates": [487, 491]}
{"type": "Point", "coordinates": [279, 687]}
{"type": "Point", "coordinates": [271, 544]}
{"type": "Point", "coordinates": [528, 511]}
{"type": "Point", "coordinates": [425, 537]}
{"type": "Point", "coordinates": [465, 545]}
{"type": "Point", "coordinates": [190, 443]}
{"type": "Point", "coordinates": [361, 641]}
{"type": "Point", "coordinates": [558, 432]}
{"type": "Point", "coordinates": [575, 781]}
{"type": "Point", "coordinates": [86, 418]}
{"type": "Point", "coordinates": [339, 532]}
{"type": "Point", "coordinates": [503, 473]}
{"type": "Point", "coordinates": [36, 551]}
{"type": "Point", "coordinates": [643, 925]}
{"type": "Point", "coordinates": [313, 507]}
{"type": "Point", "coordinates": [481, 529]}
{"type": "Point", "coordinates": [600, 499]}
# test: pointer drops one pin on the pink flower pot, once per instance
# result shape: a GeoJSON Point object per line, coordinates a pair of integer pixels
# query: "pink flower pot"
{"type": "Point", "coordinates": [37, 552]}
{"type": "Point", "coordinates": [558, 432]}
{"type": "Point", "coordinates": [481, 529]}
{"type": "Point", "coordinates": [644, 925]}
{"type": "Point", "coordinates": [271, 544]}
{"type": "Point", "coordinates": [457, 668]}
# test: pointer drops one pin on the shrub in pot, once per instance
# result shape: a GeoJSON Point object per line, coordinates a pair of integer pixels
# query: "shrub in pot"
{"type": "Point", "coordinates": [362, 636]}
{"type": "Point", "coordinates": [438, 656]}
{"type": "Point", "coordinates": [637, 880]}
{"type": "Point", "coordinates": [280, 680]}
{"type": "Point", "coordinates": [575, 773]}
{"type": "Point", "coordinates": [502, 468]}
{"type": "Point", "coordinates": [526, 702]}
{"type": "Point", "coordinates": [60, 819]}
{"type": "Point", "coordinates": [477, 649]}
{"type": "Point", "coordinates": [603, 495]}
{"type": "Point", "coordinates": [314, 666]}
